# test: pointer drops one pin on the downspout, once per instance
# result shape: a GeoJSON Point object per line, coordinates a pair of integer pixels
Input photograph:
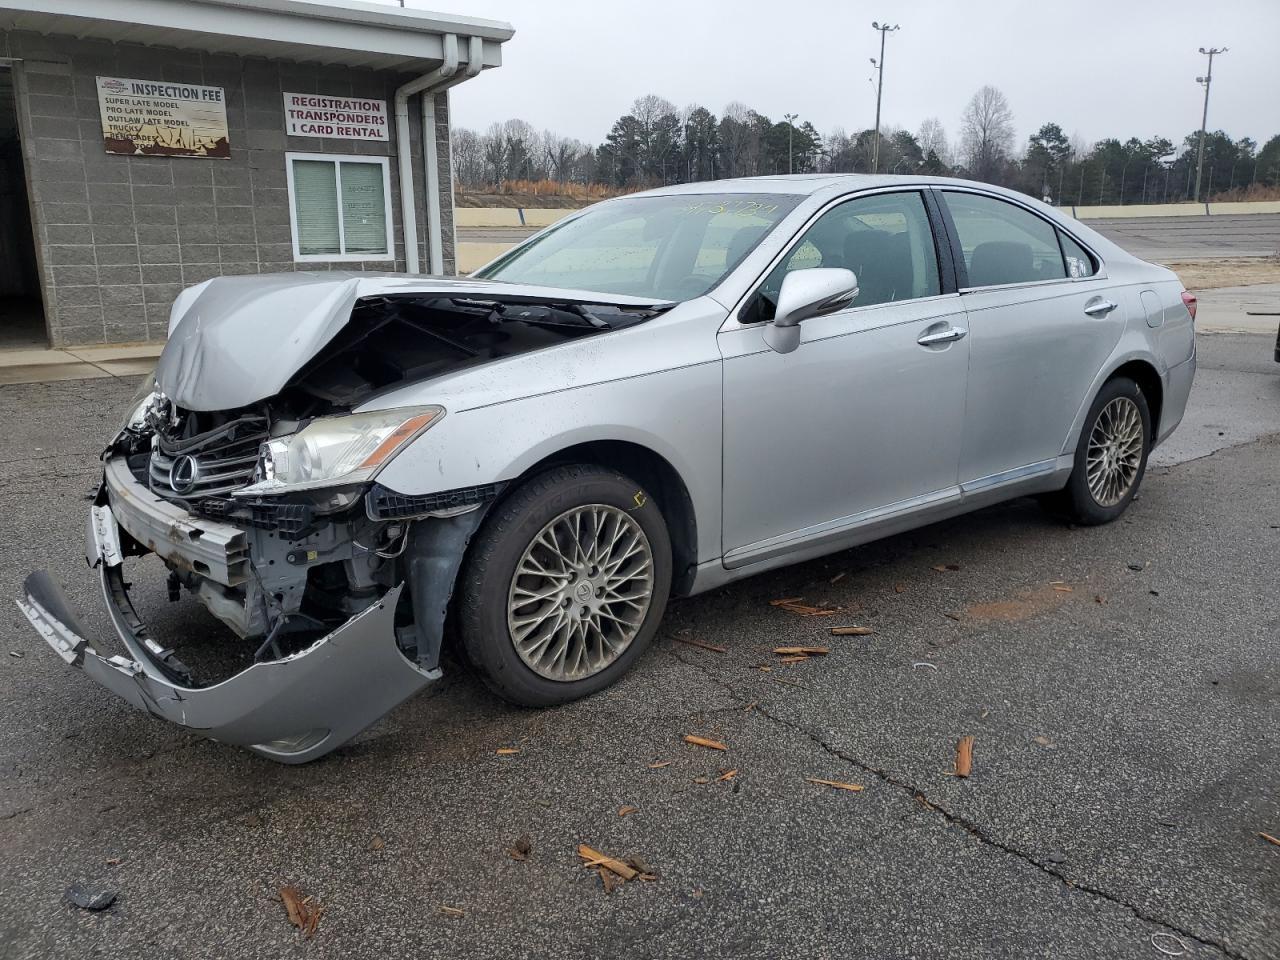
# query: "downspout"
{"type": "Point", "coordinates": [435, 237]}
{"type": "Point", "coordinates": [404, 148]}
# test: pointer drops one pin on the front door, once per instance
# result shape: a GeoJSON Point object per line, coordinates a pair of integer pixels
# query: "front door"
{"type": "Point", "coordinates": [862, 420]}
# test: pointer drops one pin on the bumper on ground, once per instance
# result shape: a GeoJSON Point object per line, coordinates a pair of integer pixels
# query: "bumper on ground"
{"type": "Point", "coordinates": [292, 710]}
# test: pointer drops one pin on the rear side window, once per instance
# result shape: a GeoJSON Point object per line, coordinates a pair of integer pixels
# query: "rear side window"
{"type": "Point", "coordinates": [1079, 263]}
{"type": "Point", "coordinates": [1004, 243]}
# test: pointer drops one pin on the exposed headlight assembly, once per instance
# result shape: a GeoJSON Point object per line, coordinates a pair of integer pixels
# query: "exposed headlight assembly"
{"type": "Point", "coordinates": [337, 451]}
{"type": "Point", "coordinates": [136, 418]}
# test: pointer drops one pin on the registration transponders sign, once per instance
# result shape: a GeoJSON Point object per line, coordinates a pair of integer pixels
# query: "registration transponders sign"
{"type": "Point", "coordinates": [339, 118]}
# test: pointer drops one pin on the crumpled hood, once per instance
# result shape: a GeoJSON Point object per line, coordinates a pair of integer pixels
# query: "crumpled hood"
{"type": "Point", "coordinates": [236, 340]}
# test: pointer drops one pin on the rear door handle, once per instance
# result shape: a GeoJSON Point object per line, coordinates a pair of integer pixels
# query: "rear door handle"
{"type": "Point", "coordinates": [1099, 307]}
{"type": "Point", "coordinates": [946, 335]}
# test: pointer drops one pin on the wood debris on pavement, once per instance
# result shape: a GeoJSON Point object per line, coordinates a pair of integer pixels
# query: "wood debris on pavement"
{"type": "Point", "coordinates": [698, 741]}
{"type": "Point", "coordinates": [695, 642]}
{"type": "Point", "coordinates": [626, 811]}
{"type": "Point", "coordinates": [836, 784]}
{"type": "Point", "coordinates": [304, 913]}
{"type": "Point", "coordinates": [964, 756]}
{"type": "Point", "coordinates": [802, 651]}
{"type": "Point", "coordinates": [851, 631]}
{"type": "Point", "coordinates": [797, 606]}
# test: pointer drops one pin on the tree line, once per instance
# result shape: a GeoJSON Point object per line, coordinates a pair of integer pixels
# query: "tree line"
{"type": "Point", "coordinates": [655, 143]}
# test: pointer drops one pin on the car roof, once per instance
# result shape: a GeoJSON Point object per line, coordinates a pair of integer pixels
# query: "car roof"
{"type": "Point", "coordinates": [805, 184]}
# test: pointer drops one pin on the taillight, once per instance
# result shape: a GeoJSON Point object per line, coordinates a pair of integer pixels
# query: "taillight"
{"type": "Point", "coordinates": [1189, 301]}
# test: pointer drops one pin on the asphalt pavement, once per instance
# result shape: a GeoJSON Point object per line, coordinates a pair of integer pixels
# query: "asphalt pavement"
{"type": "Point", "coordinates": [1122, 685]}
{"type": "Point", "coordinates": [1165, 239]}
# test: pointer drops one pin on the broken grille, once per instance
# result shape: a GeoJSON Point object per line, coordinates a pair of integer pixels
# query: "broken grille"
{"type": "Point", "coordinates": [208, 464]}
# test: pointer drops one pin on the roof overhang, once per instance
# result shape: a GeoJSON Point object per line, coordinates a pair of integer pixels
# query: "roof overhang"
{"type": "Point", "coordinates": [353, 33]}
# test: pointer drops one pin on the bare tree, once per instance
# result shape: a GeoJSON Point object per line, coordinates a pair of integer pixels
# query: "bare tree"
{"type": "Point", "coordinates": [933, 139]}
{"type": "Point", "coordinates": [986, 133]}
{"type": "Point", "coordinates": [468, 156]}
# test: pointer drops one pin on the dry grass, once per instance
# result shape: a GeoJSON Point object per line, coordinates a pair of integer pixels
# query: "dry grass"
{"type": "Point", "coordinates": [1228, 272]}
{"type": "Point", "coordinates": [534, 193]}
{"type": "Point", "coordinates": [1255, 191]}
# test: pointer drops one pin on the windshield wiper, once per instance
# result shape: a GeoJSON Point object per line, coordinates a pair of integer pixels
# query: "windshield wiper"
{"type": "Point", "coordinates": [569, 316]}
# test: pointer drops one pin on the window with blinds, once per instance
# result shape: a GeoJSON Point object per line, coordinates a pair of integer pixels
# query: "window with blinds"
{"type": "Point", "coordinates": [339, 207]}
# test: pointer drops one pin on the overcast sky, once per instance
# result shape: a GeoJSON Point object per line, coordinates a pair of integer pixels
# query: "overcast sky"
{"type": "Point", "coordinates": [1099, 68]}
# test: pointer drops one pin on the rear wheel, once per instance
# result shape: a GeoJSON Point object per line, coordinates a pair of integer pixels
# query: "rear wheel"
{"type": "Point", "coordinates": [1111, 455]}
{"type": "Point", "coordinates": [564, 585]}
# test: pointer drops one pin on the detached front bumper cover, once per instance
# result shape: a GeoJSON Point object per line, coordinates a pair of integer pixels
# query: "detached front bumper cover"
{"type": "Point", "coordinates": [292, 710]}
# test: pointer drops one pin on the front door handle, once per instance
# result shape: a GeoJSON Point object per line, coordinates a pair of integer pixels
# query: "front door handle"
{"type": "Point", "coordinates": [945, 335]}
{"type": "Point", "coordinates": [1099, 307]}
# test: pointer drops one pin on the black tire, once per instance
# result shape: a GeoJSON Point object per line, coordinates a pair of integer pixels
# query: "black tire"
{"type": "Point", "coordinates": [486, 579]}
{"type": "Point", "coordinates": [1077, 500]}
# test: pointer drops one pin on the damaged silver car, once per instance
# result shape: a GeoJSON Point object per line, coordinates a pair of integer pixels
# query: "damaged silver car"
{"type": "Point", "coordinates": [656, 396]}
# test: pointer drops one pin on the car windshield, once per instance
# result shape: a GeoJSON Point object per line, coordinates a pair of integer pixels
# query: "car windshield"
{"type": "Point", "coordinates": [667, 247]}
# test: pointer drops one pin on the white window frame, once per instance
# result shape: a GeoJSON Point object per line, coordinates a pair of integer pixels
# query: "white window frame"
{"type": "Point", "coordinates": [337, 159]}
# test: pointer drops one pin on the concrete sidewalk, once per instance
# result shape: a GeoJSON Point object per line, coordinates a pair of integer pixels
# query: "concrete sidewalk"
{"type": "Point", "coordinates": [123, 360]}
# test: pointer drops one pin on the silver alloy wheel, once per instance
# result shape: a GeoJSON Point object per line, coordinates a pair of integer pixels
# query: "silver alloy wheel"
{"type": "Point", "coordinates": [580, 592]}
{"type": "Point", "coordinates": [1115, 451]}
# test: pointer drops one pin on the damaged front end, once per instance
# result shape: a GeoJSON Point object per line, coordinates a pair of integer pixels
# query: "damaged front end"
{"type": "Point", "coordinates": [340, 642]}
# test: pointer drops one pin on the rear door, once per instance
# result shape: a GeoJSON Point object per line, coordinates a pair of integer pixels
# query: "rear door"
{"type": "Point", "coordinates": [863, 420]}
{"type": "Point", "coordinates": [1042, 318]}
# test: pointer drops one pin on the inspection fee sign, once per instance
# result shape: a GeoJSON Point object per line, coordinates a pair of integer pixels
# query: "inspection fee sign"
{"type": "Point", "coordinates": [339, 118]}
{"type": "Point", "coordinates": [162, 119]}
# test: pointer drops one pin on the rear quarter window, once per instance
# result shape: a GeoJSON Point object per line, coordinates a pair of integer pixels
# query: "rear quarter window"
{"type": "Point", "coordinates": [1003, 243]}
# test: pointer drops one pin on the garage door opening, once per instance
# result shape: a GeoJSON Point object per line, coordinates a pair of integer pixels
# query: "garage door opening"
{"type": "Point", "coordinates": [21, 307]}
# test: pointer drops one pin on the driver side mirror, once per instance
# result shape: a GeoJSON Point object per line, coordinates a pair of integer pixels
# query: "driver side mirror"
{"type": "Point", "coordinates": [814, 292]}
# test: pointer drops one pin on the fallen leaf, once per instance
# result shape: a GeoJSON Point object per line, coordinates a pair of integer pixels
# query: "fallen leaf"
{"type": "Point", "coordinates": [114, 861]}
{"type": "Point", "coordinates": [693, 642]}
{"type": "Point", "coordinates": [659, 764]}
{"type": "Point", "coordinates": [507, 751]}
{"type": "Point", "coordinates": [643, 870]}
{"type": "Point", "coordinates": [1270, 839]}
{"type": "Point", "coordinates": [945, 567]}
{"type": "Point", "coordinates": [1099, 598]}
{"type": "Point", "coordinates": [608, 880]}
{"type": "Point", "coordinates": [521, 849]}
{"type": "Point", "coordinates": [726, 775]}
{"type": "Point", "coordinates": [794, 605]}
{"type": "Point", "coordinates": [801, 651]}
{"type": "Point", "coordinates": [594, 858]}
{"type": "Point", "coordinates": [1043, 741]}
{"type": "Point", "coordinates": [837, 784]}
{"type": "Point", "coordinates": [627, 811]}
{"type": "Point", "coordinates": [899, 588]}
{"type": "Point", "coordinates": [377, 843]}
{"type": "Point", "coordinates": [838, 577]}
{"type": "Point", "coordinates": [698, 741]}
{"type": "Point", "coordinates": [964, 756]}
{"type": "Point", "coordinates": [303, 913]}
{"type": "Point", "coordinates": [851, 631]}
{"type": "Point", "coordinates": [452, 911]}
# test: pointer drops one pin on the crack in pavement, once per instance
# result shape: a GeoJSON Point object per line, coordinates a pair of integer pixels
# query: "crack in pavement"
{"type": "Point", "coordinates": [973, 829]}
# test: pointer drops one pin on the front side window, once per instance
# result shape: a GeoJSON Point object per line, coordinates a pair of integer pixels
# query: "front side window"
{"type": "Point", "coordinates": [339, 208]}
{"type": "Point", "coordinates": [674, 247]}
{"type": "Point", "coordinates": [1002, 242]}
{"type": "Point", "coordinates": [885, 239]}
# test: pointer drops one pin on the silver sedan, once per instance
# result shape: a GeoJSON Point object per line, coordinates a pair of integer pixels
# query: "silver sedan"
{"type": "Point", "coordinates": [659, 395]}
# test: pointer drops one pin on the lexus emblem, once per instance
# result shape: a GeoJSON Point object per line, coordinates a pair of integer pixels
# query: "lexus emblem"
{"type": "Point", "coordinates": [183, 474]}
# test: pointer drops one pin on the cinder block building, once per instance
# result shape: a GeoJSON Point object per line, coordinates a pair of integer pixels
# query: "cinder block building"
{"type": "Point", "coordinates": [146, 145]}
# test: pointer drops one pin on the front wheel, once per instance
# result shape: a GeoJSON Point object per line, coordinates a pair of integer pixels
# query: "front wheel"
{"type": "Point", "coordinates": [1111, 455]}
{"type": "Point", "coordinates": [564, 585]}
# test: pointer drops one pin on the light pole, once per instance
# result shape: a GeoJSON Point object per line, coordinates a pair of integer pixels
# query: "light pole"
{"type": "Point", "coordinates": [879, 65]}
{"type": "Point", "coordinates": [791, 128]}
{"type": "Point", "coordinates": [1124, 170]}
{"type": "Point", "coordinates": [1204, 118]}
